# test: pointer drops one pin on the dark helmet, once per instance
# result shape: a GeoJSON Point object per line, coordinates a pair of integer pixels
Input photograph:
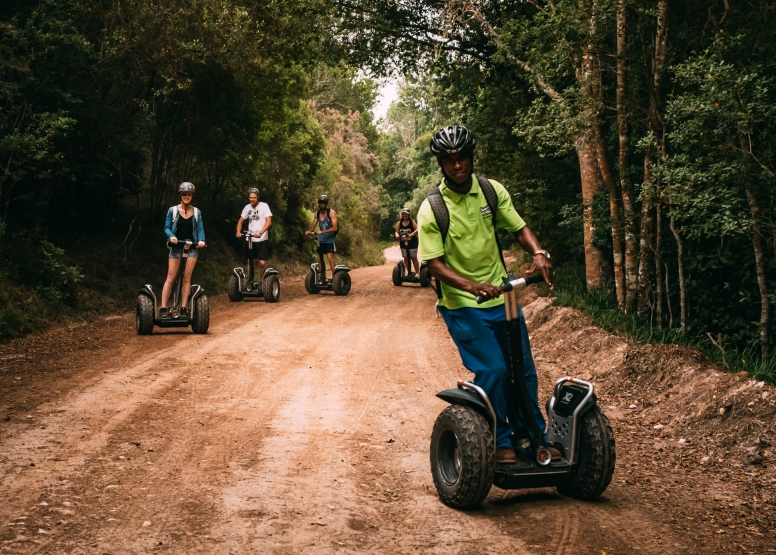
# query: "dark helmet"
{"type": "Point", "coordinates": [253, 191]}
{"type": "Point", "coordinates": [323, 199]}
{"type": "Point", "coordinates": [452, 139]}
{"type": "Point", "coordinates": [186, 187]}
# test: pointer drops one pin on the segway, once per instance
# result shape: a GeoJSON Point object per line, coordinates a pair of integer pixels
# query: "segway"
{"type": "Point", "coordinates": [400, 274]}
{"type": "Point", "coordinates": [241, 287]}
{"type": "Point", "coordinates": [147, 311]}
{"type": "Point", "coordinates": [316, 281]}
{"type": "Point", "coordinates": [463, 441]}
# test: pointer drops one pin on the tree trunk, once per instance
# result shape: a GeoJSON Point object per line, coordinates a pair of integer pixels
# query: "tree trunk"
{"type": "Point", "coordinates": [658, 264]}
{"type": "Point", "coordinates": [680, 257]}
{"type": "Point", "coordinates": [628, 198]}
{"type": "Point", "coordinates": [588, 77]}
{"type": "Point", "coordinates": [655, 121]}
{"type": "Point", "coordinates": [595, 263]}
{"type": "Point", "coordinates": [647, 242]}
{"type": "Point", "coordinates": [759, 258]}
{"type": "Point", "coordinates": [605, 168]}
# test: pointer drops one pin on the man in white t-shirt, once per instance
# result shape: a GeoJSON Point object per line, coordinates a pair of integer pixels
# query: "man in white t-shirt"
{"type": "Point", "coordinates": [259, 220]}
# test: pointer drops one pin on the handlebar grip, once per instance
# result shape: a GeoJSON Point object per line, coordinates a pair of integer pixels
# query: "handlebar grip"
{"type": "Point", "coordinates": [528, 281]}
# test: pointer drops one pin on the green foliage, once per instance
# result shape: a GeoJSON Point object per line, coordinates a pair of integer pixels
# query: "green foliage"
{"type": "Point", "coordinates": [57, 279]}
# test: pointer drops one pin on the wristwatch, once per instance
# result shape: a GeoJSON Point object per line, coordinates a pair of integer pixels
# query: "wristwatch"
{"type": "Point", "coordinates": [543, 252]}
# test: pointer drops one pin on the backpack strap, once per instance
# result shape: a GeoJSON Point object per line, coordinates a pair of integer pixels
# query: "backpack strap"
{"type": "Point", "coordinates": [491, 197]}
{"type": "Point", "coordinates": [174, 214]}
{"type": "Point", "coordinates": [441, 213]}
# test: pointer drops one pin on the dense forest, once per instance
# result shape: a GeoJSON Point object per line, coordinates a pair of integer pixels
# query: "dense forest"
{"type": "Point", "coordinates": [634, 136]}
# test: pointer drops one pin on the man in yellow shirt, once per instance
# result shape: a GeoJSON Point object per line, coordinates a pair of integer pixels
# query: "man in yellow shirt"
{"type": "Point", "coordinates": [468, 263]}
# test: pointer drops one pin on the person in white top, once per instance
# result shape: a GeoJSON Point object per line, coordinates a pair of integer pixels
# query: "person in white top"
{"type": "Point", "coordinates": [259, 219]}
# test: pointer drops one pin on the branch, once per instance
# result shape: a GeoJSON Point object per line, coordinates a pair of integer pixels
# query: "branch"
{"type": "Point", "coordinates": [718, 345]}
{"type": "Point", "coordinates": [491, 32]}
{"type": "Point", "coordinates": [127, 235]}
{"type": "Point", "coordinates": [750, 153]}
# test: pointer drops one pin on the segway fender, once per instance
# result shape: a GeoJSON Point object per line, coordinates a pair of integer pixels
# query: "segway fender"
{"type": "Point", "coordinates": [341, 268]}
{"type": "Point", "coordinates": [240, 274]}
{"type": "Point", "coordinates": [148, 291]}
{"type": "Point", "coordinates": [270, 272]}
{"type": "Point", "coordinates": [196, 291]}
{"type": "Point", "coordinates": [571, 399]}
{"type": "Point", "coordinates": [467, 398]}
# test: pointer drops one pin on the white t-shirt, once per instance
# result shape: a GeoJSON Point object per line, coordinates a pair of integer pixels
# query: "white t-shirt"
{"type": "Point", "coordinates": [257, 217]}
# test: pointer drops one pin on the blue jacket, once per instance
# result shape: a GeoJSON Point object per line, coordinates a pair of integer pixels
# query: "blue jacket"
{"type": "Point", "coordinates": [171, 224]}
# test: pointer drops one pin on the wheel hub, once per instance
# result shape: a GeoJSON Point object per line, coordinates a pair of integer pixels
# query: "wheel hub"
{"type": "Point", "coordinates": [449, 457]}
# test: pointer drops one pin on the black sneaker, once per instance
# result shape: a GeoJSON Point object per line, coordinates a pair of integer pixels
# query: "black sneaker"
{"type": "Point", "coordinates": [163, 314]}
{"type": "Point", "coordinates": [184, 312]}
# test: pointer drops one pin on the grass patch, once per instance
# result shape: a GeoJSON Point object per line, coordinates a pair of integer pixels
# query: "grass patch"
{"type": "Point", "coordinates": [601, 306]}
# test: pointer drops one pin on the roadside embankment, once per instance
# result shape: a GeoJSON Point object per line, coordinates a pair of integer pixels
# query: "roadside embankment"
{"type": "Point", "coordinates": [680, 419]}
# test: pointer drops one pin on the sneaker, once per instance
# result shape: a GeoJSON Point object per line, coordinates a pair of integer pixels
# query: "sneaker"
{"type": "Point", "coordinates": [505, 455]}
{"type": "Point", "coordinates": [163, 314]}
{"type": "Point", "coordinates": [184, 312]}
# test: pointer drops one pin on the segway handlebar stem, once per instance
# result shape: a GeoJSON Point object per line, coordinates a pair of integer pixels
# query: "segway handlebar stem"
{"type": "Point", "coordinates": [514, 284]}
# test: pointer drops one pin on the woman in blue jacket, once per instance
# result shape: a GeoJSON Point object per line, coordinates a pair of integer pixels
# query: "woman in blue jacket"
{"type": "Point", "coordinates": [184, 223]}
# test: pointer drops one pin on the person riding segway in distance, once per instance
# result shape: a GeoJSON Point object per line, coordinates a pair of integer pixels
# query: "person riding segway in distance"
{"type": "Point", "coordinates": [468, 263]}
{"type": "Point", "coordinates": [326, 220]}
{"type": "Point", "coordinates": [259, 219]}
{"type": "Point", "coordinates": [183, 223]}
{"type": "Point", "coordinates": [407, 233]}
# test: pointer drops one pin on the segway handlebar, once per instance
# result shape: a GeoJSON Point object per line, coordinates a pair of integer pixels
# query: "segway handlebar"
{"type": "Point", "coordinates": [514, 284]}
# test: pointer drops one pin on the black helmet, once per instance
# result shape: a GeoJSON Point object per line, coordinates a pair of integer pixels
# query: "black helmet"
{"type": "Point", "coordinates": [323, 199]}
{"type": "Point", "coordinates": [452, 139]}
{"type": "Point", "coordinates": [186, 187]}
{"type": "Point", "coordinates": [253, 191]}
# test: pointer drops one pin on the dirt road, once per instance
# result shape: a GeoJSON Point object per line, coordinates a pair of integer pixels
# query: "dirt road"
{"type": "Point", "coordinates": [299, 427]}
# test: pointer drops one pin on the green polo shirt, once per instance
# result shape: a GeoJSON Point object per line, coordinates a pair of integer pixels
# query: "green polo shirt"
{"type": "Point", "coordinates": [470, 247]}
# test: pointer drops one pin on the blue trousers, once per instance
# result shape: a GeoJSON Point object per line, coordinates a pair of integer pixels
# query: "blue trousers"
{"type": "Point", "coordinates": [481, 337]}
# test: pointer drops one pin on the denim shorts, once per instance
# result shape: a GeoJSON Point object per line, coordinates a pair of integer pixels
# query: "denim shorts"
{"type": "Point", "coordinates": [176, 251]}
{"type": "Point", "coordinates": [412, 253]}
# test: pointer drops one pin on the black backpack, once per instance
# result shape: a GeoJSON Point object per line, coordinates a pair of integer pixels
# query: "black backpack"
{"type": "Point", "coordinates": [442, 215]}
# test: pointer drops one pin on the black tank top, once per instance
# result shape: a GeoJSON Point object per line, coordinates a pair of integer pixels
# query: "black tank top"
{"type": "Point", "coordinates": [413, 244]}
{"type": "Point", "coordinates": [184, 231]}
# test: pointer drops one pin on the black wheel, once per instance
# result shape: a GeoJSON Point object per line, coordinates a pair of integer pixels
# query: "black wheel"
{"type": "Point", "coordinates": [144, 315]}
{"type": "Point", "coordinates": [233, 289]}
{"type": "Point", "coordinates": [340, 283]}
{"type": "Point", "coordinates": [271, 288]}
{"type": "Point", "coordinates": [309, 283]}
{"type": "Point", "coordinates": [396, 275]}
{"type": "Point", "coordinates": [462, 457]}
{"type": "Point", "coordinates": [596, 458]}
{"type": "Point", "coordinates": [425, 277]}
{"type": "Point", "coordinates": [201, 315]}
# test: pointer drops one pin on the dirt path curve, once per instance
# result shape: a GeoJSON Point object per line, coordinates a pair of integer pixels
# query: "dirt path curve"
{"type": "Point", "coordinates": [300, 427]}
